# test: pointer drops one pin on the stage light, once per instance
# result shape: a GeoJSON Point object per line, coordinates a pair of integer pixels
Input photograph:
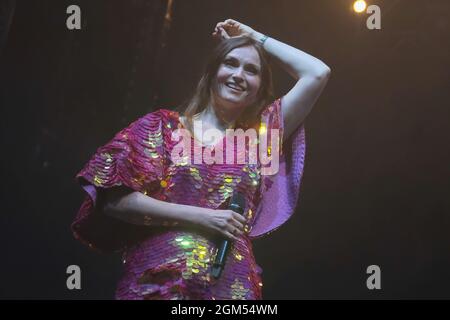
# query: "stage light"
{"type": "Point", "coordinates": [359, 6]}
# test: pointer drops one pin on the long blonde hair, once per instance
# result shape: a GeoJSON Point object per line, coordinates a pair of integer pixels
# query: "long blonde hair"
{"type": "Point", "coordinates": [204, 91]}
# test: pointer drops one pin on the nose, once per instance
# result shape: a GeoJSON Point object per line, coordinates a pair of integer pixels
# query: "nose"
{"type": "Point", "coordinates": [238, 75]}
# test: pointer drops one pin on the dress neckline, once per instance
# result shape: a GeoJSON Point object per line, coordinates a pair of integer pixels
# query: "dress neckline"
{"type": "Point", "coordinates": [212, 146]}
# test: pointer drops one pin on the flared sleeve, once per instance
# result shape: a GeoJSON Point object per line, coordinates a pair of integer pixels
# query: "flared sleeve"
{"type": "Point", "coordinates": [279, 190]}
{"type": "Point", "coordinates": [134, 160]}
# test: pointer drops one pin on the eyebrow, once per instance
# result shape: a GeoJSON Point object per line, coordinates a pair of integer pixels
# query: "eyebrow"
{"type": "Point", "coordinates": [248, 64]}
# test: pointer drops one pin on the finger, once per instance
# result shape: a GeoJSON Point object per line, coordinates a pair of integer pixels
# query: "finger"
{"type": "Point", "coordinates": [239, 225]}
{"type": "Point", "coordinates": [217, 28]}
{"type": "Point", "coordinates": [222, 32]}
{"type": "Point", "coordinates": [235, 231]}
{"type": "Point", "coordinates": [239, 217]}
{"type": "Point", "coordinates": [225, 34]}
{"type": "Point", "coordinates": [217, 35]}
{"type": "Point", "coordinates": [230, 236]}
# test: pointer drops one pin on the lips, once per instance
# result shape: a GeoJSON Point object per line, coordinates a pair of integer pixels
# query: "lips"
{"type": "Point", "coordinates": [234, 86]}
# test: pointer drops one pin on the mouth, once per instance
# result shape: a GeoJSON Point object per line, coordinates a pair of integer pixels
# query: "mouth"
{"type": "Point", "coordinates": [234, 87]}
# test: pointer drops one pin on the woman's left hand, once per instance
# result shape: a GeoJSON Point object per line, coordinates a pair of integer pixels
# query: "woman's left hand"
{"type": "Point", "coordinates": [231, 28]}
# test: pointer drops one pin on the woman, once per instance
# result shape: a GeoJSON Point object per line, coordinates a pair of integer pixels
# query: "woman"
{"type": "Point", "coordinates": [167, 216]}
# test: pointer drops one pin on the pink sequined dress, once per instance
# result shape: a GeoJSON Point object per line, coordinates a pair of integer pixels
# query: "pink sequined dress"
{"type": "Point", "coordinates": [169, 262]}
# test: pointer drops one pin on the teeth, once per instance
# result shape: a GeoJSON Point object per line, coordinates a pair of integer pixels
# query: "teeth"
{"type": "Point", "coordinates": [234, 87]}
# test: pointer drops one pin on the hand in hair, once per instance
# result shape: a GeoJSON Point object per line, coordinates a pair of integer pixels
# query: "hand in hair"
{"type": "Point", "coordinates": [231, 28]}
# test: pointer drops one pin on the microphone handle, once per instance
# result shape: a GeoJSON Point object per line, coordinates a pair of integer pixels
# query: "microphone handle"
{"type": "Point", "coordinates": [219, 261]}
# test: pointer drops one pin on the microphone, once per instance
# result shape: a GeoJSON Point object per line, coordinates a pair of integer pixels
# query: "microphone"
{"type": "Point", "coordinates": [237, 204]}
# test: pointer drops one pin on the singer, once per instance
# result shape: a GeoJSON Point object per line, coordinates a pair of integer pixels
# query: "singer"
{"type": "Point", "coordinates": [169, 218]}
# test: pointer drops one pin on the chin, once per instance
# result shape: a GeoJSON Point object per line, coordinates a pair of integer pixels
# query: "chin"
{"type": "Point", "coordinates": [234, 104]}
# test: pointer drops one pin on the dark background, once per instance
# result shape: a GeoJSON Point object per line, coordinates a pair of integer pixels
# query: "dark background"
{"type": "Point", "coordinates": [376, 183]}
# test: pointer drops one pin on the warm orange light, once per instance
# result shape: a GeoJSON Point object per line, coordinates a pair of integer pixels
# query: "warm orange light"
{"type": "Point", "coordinates": [359, 6]}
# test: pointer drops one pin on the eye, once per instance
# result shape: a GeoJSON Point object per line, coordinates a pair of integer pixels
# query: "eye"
{"type": "Point", "coordinates": [252, 70]}
{"type": "Point", "coordinates": [229, 62]}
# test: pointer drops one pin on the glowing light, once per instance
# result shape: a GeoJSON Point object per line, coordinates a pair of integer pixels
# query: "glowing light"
{"type": "Point", "coordinates": [359, 6]}
{"type": "Point", "coordinates": [262, 129]}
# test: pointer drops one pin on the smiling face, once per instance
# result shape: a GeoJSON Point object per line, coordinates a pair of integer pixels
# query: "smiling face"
{"type": "Point", "coordinates": [238, 79]}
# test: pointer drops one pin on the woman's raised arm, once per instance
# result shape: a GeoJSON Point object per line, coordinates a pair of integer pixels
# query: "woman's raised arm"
{"type": "Point", "coordinates": [311, 73]}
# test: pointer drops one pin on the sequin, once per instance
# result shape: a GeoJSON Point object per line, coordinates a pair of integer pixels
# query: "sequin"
{"type": "Point", "coordinates": [196, 255]}
{"type": "Point", "coordinates": [98, 181]}
{"type": "Point", "coordinates": [174, 263]}
{"type": "Point", "coordinates": [262, 129]}
{"type": "Point", "coordinates": [238, 291]}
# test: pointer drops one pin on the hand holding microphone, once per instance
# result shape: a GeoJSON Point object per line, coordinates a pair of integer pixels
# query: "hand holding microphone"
{"type": "Point", "coordinates": [227, 223]}
{"type": "Point", "coordinates": [237, 206]}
